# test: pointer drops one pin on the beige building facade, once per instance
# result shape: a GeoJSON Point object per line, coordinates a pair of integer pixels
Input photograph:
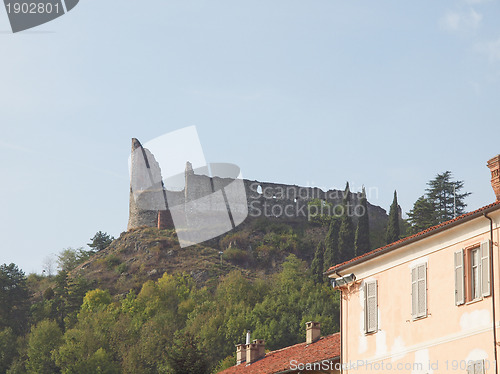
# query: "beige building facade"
{"type": "Point", "coordinates": [429, 303]}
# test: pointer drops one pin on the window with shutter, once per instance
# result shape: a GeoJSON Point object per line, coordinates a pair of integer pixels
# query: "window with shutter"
{"type": "Point", "coordinates": [475, 367]}
{"type": "Point", "coordinates": [485, 268]}
{"type": "Point", "coordinates": [472, 273]}
{"type": "Point", "coordinates": [475, 274]}
{"type": "Point", "coordinates": [371, 316]}
{"type": "Point", "coordinates": [459, 278]}
{"type": "Point", "coordinates": [419, 291]}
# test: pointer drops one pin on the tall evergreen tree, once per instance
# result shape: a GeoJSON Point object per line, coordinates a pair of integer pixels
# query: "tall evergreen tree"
{"type": "Point", "coordinates": [362, 236]}
{"type": "Point", "coordinates": [346, 230]}
{"type": "Point", "coordinates": [14, 298]}
{"type": "Point", "coordinates": [392, 233]}
{"type": "Point", "coordinates": [317, 264]}
{"type": "Point", "coordinates": [422, 216]}
{"type": "Point", "coordinates": [445, 195]}
{"type": "Point", "coordinates": [331, 256]}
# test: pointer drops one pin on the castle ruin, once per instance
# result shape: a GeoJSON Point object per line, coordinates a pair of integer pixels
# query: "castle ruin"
{"type": "Point", "coordinates": [151, 206]}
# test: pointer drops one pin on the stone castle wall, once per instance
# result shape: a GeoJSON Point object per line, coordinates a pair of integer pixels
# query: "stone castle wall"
{"type": "Point", "coordinates": [263, 199]}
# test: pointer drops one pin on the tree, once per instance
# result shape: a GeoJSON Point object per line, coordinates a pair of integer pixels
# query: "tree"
{"type": "Point", "coordinates": [49, 265]}
{"type": "Point", "coordinates": [7, 348]}
{"type": "Point", "coordinates": [43, 339]}
{"type": "Point", "coordinates": [445, 196]}
{"type": "Point", "coordinates": [317, 264]}
{"type": "Point", "coordinates": [100, 241]}
{"type": "Point", "coordinates": [443, 201]}
{"type": "Point", "coordinates": [100, 362]}
{"type": "Point", "coordinates": [95, 300]}
{"type": "Point", "coordinates": [331, 255]}
{"type": "Point", "coordinates": [14, 298]}
{"type": "Point", "coordinates": [184, 356]}
{"type": "Point", "coordinates": [320, 212]}
{"type": "Point", "coordinates": [392, 233]}
{"type": "Point", "coordinates": [362, 236]}
{"type": "Point", "coordinates": [70, 258]}
{"type": "Point", "coordinates": [422, 216]}
{"type": "Point", "coordinates": [346, 230]}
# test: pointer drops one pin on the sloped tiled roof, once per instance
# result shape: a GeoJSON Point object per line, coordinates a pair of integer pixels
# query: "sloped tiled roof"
{"type": "Point", "coordinates": [326, 348]}
{"type": "Point", "coordinates": [422, 234]}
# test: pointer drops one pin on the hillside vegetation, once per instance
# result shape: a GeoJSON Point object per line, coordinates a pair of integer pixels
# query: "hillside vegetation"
{"type": "Point", "coordinates": [143, 304]}
{"type": "Point", "coordinates": [257, 249]}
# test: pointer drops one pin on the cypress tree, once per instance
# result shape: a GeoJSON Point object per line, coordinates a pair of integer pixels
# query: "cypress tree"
{"type": "Point", "coordinates": [331, 256]}
{"type": "Point", "coordinates": [317, 264]}
{"type": "Point", "coordinates": [362, 236]}
{"type": "Point", "coordinates": [346, 230]}
{"type": "Point", "coordinates": [392, 233]}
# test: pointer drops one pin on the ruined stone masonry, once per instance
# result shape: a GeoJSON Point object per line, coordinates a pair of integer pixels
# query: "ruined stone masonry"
{"type": "Point", "coordinates": [264, 199]}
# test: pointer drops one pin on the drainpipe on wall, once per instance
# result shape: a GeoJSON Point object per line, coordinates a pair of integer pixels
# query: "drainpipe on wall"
{"type": "Point", "coordinates": [492, 276]}
{"type": "Point", "coordinates": [340, 330]}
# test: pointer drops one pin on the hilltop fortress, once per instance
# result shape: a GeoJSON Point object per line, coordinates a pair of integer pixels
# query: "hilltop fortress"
{"type": "Point", "coordinates": [151, 203]}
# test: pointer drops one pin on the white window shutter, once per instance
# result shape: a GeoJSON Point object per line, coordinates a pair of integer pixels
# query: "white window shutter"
{"type": "Point", "coordinates": [485, 268]}
{"type": "Point", "coordinates": [479, 367]}
{"type": "Point", "coordinates": [470, 368]}
{"type": "Point", "coordinates": [371, 317]}
{"type": "Point", "coordinates": [459, 278]}
{"type": "Point", "coordinates": [366, 307]}
{"type": "Point", "coordinates": [414, 293]}
{"type": "Point", "coordinates": [419, 291]}
{"type": "Point", "coordinates": [422, 290]}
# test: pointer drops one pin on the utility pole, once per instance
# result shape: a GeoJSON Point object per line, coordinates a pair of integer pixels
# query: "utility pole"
{"type": "Point", "coordinates": [454, 201]}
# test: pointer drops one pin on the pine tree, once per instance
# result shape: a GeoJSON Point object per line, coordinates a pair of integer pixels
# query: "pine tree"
{"type": "Point", "coordinates": [346, 230]}
{"type": "Point", "coordinates": [331, 255]}
{"type": "Point", "coordinates": [362, 236]}
{"type": "Point", "coordinates": [422, 216]}
{"type": "Point", "coordinates": [392, 233]}
{"type": "Point", "coordinates": [100, 241]}
{"type": "Point", "coordinates": [317, 264]}
{"type": "Point", "coordinates": [14, 299]}
{"type": "Point", "coordinates": [445, 195]}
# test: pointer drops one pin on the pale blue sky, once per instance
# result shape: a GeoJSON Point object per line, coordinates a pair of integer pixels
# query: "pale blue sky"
{"type": "Point", "coordinates": [385, 94]}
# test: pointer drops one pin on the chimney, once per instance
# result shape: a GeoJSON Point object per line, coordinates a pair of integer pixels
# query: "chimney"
{"type": "Point", "coordinates": [262, 347]}
{"type": "Point", "coordinates": [241, 354]}
{"type": "Point", "coordinates": [313, 332]}
{"type": "Point", "coordinates": [494, 165]}
{"type": "Point", "coordinates": [256, 350]}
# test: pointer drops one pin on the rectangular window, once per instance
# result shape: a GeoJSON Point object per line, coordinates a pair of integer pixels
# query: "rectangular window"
{"type": "Point", "coordinates": [472, 273]}
{"type": "Point", "coordinates": [475, 367]}
{"type": "Point", "coordinates": [419, 291]}
{"type": "Point", "coordinates": [371, 306]}
{"type": "Point", "coordinates": [475, 286]}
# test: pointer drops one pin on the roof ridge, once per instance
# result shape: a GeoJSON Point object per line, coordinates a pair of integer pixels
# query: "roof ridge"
{"type": "Point", "coordinates": [303, 343]}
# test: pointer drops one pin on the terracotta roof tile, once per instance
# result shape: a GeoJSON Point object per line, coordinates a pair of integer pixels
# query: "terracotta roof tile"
{"type": "Point", "coordinates": [412, 237]}
{"type": "Point", "coordinates": [325, 348]}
